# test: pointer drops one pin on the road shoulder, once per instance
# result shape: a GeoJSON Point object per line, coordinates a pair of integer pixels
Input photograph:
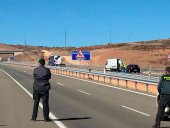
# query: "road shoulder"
{"type": "Point", "coordinates": [16, 107]}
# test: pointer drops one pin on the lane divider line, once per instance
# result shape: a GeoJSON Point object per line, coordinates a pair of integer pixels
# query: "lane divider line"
{"type": "Point", "coordinates": [60, 84]}
{"type": "Point", "coordinates": [140, 93]}
{"type": "Point", "coordinates": [84, 92]}
{"type": "Point", "coordinates": [135, 110]}
{"type": "Point", "coordinates": [51, 115]}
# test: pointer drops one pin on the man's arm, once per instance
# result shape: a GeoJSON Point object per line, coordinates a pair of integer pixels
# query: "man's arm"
{"type": "Point", "coordinates": [49, 74]}
{"type": "Point", "coordinates": [34, 73]}
{"type": "Point", "coordinates": [160, 85]}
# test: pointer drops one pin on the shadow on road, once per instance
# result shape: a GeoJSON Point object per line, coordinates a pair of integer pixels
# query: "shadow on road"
{"type": "Point", "coordinates": [66, 119]}
{"type": "Point", "coordinates": [39, 120]}
{"type": "Point", "coordinates": [2, 125]}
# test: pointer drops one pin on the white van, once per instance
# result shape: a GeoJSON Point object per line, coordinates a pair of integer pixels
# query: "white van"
{"type": "Point", "coordinates": [55, 61]}
{"type": "Point", "coordinates": [113, 64]}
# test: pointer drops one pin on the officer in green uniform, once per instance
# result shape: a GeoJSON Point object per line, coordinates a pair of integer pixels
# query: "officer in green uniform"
{"type": "Point", "coordinates": [164, 92]}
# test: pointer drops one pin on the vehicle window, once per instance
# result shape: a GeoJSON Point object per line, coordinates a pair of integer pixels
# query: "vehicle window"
{"type": "Point", "coordinates": [136, 66]}
{"type": "Point", "coordinates": [131, 66]}
{"type": "Point", "coordinates": [51, 58]}
{"type": "Point", "coordinates": [57, 57]}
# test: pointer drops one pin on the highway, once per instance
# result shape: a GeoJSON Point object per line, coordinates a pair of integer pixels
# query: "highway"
{"type": "Point", "coordinates": [122, 75]}
{"type": "Point", "coordinates": [85, 104]}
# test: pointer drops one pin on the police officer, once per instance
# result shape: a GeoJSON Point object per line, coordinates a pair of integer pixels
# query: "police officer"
{"type": "Point", "coordinates": [164, 92]}
{"type": "Point", "coordinates": [41, 87]}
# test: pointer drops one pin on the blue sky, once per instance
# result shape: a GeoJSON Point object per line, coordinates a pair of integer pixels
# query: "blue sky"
{"type": "Point", "coordinates": [87, 22]}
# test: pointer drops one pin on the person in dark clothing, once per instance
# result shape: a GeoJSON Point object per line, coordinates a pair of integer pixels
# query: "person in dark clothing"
{"type": "Point", "coordinates": [164, 92]}
{"type": "Point", "coordinates": [41, 87]}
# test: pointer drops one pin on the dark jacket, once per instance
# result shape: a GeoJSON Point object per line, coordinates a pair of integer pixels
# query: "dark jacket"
{"type": "Point", "coordinates": [164, 84]}
{"type": "Point", "coordinates": [41, 78]}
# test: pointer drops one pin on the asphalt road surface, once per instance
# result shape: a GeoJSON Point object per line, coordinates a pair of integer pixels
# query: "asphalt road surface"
{"type": "Point", "coordinates": [81, 104]}
{"type": "Point", "coordinates": [16, 107]}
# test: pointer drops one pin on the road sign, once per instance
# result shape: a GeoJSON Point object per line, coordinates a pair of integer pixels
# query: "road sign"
{"type": "Point", "coordinates": [11, 58]}
{"type": "Point", "coordinates": [80, 55]}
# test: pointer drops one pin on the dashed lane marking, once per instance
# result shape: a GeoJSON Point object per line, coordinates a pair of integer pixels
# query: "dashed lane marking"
{"type": "Point", "coordinates": [135, 110]}
{"type": "Point", "coordinates": [60, 84]}
{"type": "Point", "coordinates": [84, 92]}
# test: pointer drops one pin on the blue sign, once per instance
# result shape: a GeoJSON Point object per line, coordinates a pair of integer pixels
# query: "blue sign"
{"type": "Point", "coordinates": [80, 55]}
{"type": "Point", "coordinates": [11, 58]}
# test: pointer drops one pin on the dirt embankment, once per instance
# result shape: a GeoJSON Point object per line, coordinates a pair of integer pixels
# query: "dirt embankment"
{"type": "Point", "coordinates": [146, 54]}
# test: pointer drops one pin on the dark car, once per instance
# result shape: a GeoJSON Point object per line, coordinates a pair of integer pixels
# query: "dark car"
{"type": "Point", "coordinates": [133, 68]}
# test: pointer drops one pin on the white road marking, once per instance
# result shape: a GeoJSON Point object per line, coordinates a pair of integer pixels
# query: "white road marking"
{"type": "Point", "coordinates": [24, 71]}
{"type": "Point", "coordinates": [51, 115]}
{"type": "Point", "coordinates": [84, 92]}
{"type": "Point", "coordinates": [111, 86]}
{"type": "Point", "coordinates": [135, 110]}
{"type": "Point", "coordinates": [60, 84]}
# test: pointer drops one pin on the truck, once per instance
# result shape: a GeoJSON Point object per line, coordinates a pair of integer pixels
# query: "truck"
{"type": "Point", "coordinates": [114, 65]}
{"type": "Point", "coordinates": [55, 61]}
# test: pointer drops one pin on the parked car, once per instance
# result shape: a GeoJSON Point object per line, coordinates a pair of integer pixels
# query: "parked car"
{"type": "Point", "coordinates": [133, 68]}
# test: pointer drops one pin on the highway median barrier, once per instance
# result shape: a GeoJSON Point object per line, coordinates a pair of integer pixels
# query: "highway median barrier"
{"type": "Point", "coordinates": [132, 84]}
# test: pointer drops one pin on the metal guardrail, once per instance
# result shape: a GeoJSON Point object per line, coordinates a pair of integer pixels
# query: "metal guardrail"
{"type": "Point", "coordinates": [10, 52]}
{"type": "Point", "coordinates": [123, 76]}
{"type": "Point", "coordinates": [134, 77]}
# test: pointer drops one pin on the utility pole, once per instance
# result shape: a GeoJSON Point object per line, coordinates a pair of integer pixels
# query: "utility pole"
{"type": "Point", "coordinates": [65, 38]}
{"type": "Point", "coordinates": [25, 44]}
{"type": "Point", "coordinates": [110, 35]}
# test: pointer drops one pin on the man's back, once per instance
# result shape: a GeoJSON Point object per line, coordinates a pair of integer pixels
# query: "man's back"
{"type": "Point", "coordinates": [41, 78]}
{"type": "Point", "coordinates": [164, 84]}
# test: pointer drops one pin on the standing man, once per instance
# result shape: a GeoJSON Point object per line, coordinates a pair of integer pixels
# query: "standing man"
{"type": "Point", "coordinates": [164, 92]}
{"type": "Point", "coordinates": [41, 89]}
